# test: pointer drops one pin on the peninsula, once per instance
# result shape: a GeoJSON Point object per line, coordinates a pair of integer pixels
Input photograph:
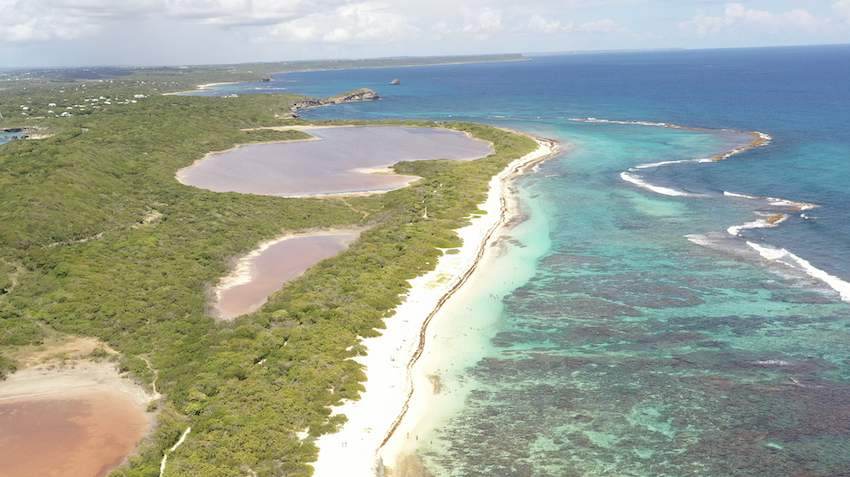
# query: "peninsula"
{"type": "Point", "coordinates": [99, 240]}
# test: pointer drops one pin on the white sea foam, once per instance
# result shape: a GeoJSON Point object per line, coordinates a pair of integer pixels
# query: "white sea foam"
{"type": "Point", "coordinates": [732, 194]}
{"type": "Point", "coordinates": [700, 239]}
{"type": "Point", "coordinates": [774, 201]}
{"type": "Point", "coordinates": [728, 245]}
{"type": "Point", "coordinates": [773, 362]}
{"type": "Point", "coordinates": [761, 223]}
{"type": "Point", "coordinates": [664, 163]}
{"type": "Point", "coordinates": [788, 203]}
{"type": "Point", "coordinates": [634, 179]}
{"type": "Point", "coordinates": [613, 121]}
{"type": "Point", "coordinates": [787, 258]}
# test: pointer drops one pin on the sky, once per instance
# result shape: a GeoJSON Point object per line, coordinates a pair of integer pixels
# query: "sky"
{"type": "Point", "coordinates": [47, 33]}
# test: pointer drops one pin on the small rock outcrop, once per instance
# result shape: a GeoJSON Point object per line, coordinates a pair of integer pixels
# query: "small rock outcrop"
{"type": "Point", "coordinates": [26, 132]}
{"type": "Point", "coordinates": [395, 81]}
{"type": "Point", "coordinates": [24, 129]}
{"type": "Point", "coordinates": [362, 94]}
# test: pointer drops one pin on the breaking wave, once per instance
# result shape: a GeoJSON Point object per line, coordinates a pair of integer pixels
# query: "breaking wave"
{"type": "Point", "coordinates": [770, 212]}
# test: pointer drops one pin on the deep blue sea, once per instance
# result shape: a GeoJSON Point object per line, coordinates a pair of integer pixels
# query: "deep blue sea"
{"type": "Point", "coordinates": [672, 315]}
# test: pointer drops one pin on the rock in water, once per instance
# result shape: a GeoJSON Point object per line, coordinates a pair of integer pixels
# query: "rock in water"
{"type": "Point", "coordinates": [395, 81]}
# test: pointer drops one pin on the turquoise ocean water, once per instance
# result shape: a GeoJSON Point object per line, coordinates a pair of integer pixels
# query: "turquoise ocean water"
{"type": "Point", "coordinates": [656, 314]}
{"type": "Point", "coordinates": [6, 137]}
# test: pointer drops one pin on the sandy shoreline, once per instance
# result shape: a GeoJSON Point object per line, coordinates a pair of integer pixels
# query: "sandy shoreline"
{"type": "Point", "coordinates": [379, 423]}
{"type": "Point", "coordinates": [201, 87]}
{"type": "Point", "coordinates": [53, 379]}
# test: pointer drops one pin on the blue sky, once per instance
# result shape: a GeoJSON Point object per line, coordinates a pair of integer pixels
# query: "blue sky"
{"type": "Point", "coordinates": [173, 32]}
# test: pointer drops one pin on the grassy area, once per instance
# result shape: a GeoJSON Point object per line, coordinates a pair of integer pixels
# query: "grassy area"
{"type": "Point", "coordinates": [98, 239]}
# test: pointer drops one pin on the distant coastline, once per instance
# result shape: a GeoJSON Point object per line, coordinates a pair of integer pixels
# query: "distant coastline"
{"type": "Point", "coordinates": [264, 71]}
{"type": "Point", "coordinates": [593, 52]}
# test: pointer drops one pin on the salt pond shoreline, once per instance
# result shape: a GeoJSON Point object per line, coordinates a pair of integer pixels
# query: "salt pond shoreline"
{"type": "Point", "coordinates": [332, 165]}
{"type": "Point", "coordinates": [72, 418]}
{"type": "Point", "coordinates": [244, 268]}
{"type": "Point", "coordinates": [379, 423]}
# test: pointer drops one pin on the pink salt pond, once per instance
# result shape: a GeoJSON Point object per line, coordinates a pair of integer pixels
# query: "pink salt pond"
{"type": "Point", "coordinates": [330, 164]}
{"type": "Point", "coordinates": [76, 433]}
{"type": "Point", "coordinates": [276, 265]}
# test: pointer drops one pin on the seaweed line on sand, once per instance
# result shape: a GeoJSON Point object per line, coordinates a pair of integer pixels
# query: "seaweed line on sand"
{"type": "Point", "coordinates": [512, 171]}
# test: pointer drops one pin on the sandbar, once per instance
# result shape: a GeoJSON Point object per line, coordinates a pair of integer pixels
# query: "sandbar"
{"type": "Point", "coordinates": [379, 423]}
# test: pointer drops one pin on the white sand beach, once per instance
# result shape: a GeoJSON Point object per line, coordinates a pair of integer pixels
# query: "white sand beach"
{"type": "Point", "coordinates": [379, 423]}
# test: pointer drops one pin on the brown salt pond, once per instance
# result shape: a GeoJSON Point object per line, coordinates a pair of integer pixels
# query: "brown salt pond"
{"type": "Point", "coordinates": [82, 432]}
{"type": "Point", "coordinates": [329, 165]}
{"type": "Point", "coordinates": [265, 270]}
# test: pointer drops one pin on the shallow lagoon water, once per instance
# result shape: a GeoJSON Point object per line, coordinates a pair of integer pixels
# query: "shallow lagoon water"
{"type": "Point", "coordinates": [633, 351]}
{"type": "Point", "coordinates": [7, 137]}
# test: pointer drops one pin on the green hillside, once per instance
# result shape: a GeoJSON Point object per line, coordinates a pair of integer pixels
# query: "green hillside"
{"type": "Point", "coordinates": [97, 238]}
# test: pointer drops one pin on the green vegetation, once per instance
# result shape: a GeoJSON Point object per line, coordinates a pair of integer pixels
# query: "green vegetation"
{"type": "Point", "coordinates": [101, 240]}
{"type": "Point", "coordinates": [180, 78]}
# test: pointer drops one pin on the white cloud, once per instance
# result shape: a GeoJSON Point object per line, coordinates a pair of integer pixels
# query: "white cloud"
{"type": "Point", "coordinates": [39, 20]}
{"type": "Point", "coordinates": [294, 32]}
{"type": "Point", "coordinates": [538, 24]}
{"type": "Point", "coordinates": [736, 15]}
{"type": "Point", "coordinates": [602, 26]}
{"type": "Point", "coordinates": [481, 23]}
{"type": "Point", "coordinates": [588, 4]}
{"type": "Point", "coordinates": [360, 23]}
{"type": "Point", "coordinates": [843, 9]}
{"type": "Point", "coordinates": [368, 25]}
{"type": "Point", "coordinates": [338, 35]}
{"type": "Point", "coordinates": [441, 29]}
{"type": "Point", "coordinates": [247, 12]}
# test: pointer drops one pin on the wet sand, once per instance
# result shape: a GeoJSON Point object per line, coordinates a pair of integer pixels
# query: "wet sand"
{"type": "Point", "coordinates": [265, 270]}
{"type": "Point", "coordinates": [80, 419]}
{"type": "Point", "coordinates": [332, 165]}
